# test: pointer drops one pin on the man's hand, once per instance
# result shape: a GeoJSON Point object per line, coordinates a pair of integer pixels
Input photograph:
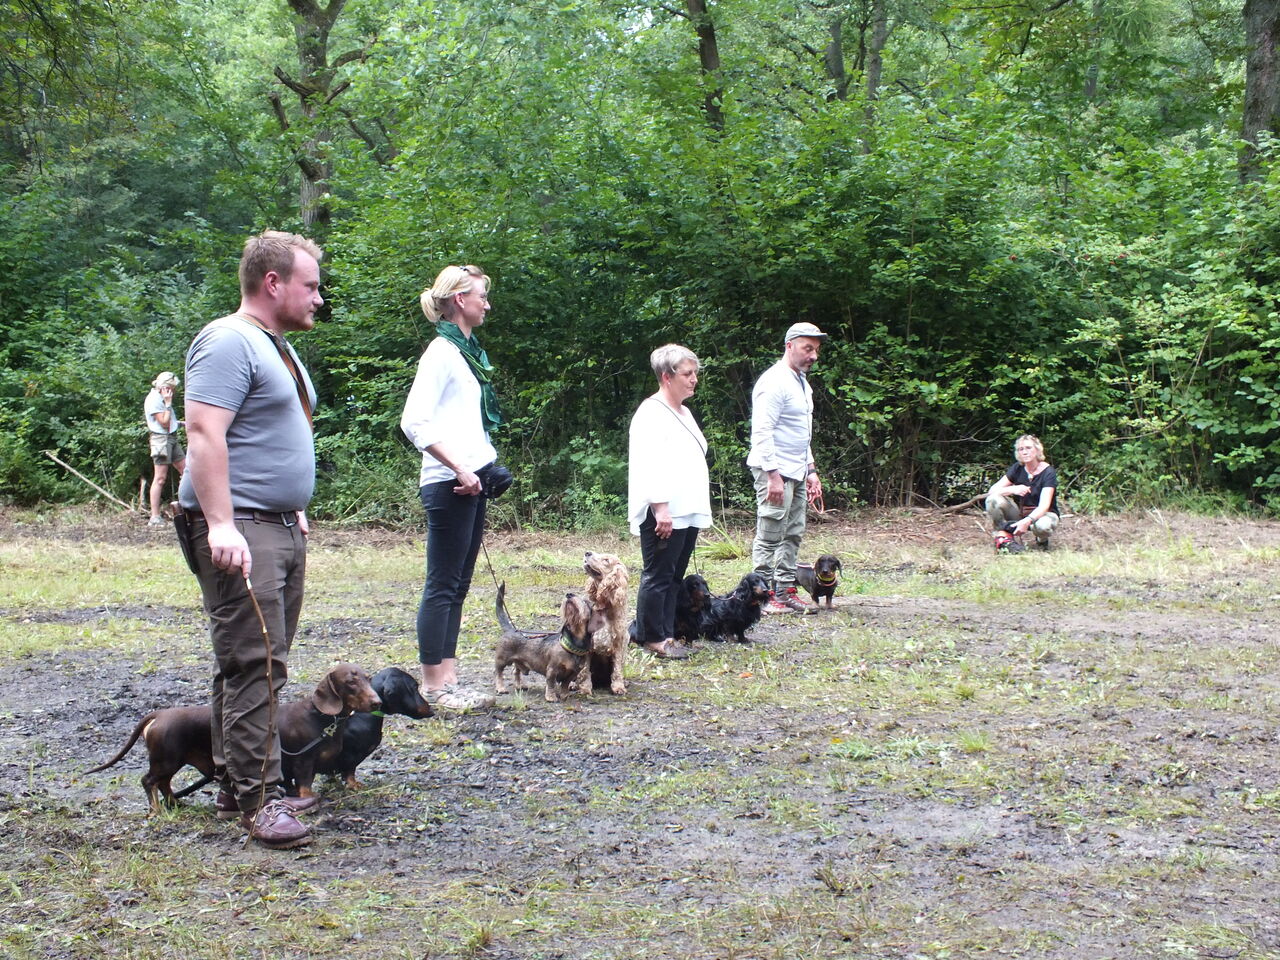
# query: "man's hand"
{"type": "Point", "coordinates": [813, 486]}
{"type": "Point", "coordinates": [303, 526]}
{"type": "Point", "coordinates": [774, 489]}
{"type": "Point", "coordinates": [228, 549]}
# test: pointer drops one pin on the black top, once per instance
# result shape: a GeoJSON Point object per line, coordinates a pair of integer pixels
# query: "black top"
{"type": "Point", "coordinates": [1048, 477]}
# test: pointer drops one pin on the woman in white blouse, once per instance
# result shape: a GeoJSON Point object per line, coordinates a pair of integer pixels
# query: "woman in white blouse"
{"type": "Point", "coordinates": [669, 495]}
{"type": "Point", "coordinates": [450, 410]}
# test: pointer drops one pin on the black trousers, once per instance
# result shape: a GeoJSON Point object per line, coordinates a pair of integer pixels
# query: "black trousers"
{"type": "Point", "coordinates": [455, 526]}
{"type": "Point", "coordinates": [665, 562]}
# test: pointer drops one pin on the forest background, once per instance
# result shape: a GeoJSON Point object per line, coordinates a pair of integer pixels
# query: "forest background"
{"type": "Point", "coordinates": [1053, 216]}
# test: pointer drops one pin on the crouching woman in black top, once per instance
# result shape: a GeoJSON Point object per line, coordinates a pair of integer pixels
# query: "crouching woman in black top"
{"type": "Point", "coordinates": [1026, 496]}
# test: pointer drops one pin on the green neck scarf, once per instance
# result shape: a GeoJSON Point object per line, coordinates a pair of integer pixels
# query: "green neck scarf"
{"type": "Point", "coordinates": [479, 363]}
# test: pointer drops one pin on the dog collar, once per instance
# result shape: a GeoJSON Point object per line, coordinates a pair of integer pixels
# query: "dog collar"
{"type": "Point", "coordinates": [376, 713]}
{"type": "Point", "coordinates": [827, 581]}
{"type": "Point", "coordinates": [566, 641]}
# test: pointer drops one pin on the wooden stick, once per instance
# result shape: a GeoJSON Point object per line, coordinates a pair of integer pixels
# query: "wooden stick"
{"type": "Point", "coordinates": [52, 456]}
{"type": "Point", "coordinates": [956, 508]}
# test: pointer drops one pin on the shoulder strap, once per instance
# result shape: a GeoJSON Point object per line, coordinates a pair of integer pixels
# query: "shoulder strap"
{"type": "Point", "coordinates": [289, 363]}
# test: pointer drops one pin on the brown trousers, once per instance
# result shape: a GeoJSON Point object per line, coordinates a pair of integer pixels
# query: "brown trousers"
{"type": "Point", "coordinates": [241, 697]}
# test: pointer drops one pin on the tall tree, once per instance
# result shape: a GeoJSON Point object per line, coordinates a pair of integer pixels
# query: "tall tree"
{"type": "Point", "coordinates": [1262, 80]}
{"type": "Point", "coordinates": [316, 89]}
{"type": "Point", "coordinates": [709, 57]}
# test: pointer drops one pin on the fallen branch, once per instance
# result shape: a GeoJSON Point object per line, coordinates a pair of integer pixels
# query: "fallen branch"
{"type": "Point", "coordinates": [972, 502]}
{"type": "Point", "coordinates": [52, 456]}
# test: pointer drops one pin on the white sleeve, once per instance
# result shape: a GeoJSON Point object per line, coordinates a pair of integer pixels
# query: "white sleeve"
{"type": "Point", "coordinates": [421, 421]}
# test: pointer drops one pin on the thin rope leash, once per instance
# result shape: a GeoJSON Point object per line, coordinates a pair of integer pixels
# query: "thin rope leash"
{"type": "Point", "coordinates": [271, 707]}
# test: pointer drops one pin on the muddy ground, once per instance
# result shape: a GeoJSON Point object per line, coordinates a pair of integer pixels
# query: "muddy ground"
{"type": "Point", "coordinates": [1079, 761]}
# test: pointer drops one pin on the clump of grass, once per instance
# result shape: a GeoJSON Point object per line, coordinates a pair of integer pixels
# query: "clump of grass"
{"type": "Point", "coordinates": [974, 741]}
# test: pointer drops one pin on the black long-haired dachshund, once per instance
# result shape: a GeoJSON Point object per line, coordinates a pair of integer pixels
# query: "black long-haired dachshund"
{"type": "Point", "coordinates": [730, 617]}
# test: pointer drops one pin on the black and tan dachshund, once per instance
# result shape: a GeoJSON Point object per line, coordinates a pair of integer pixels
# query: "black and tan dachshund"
{"type": "Point", "coordinates": [730, 617]}
{"type": "Point", "coordinates": [398, 691]}
{"type": "Point", "coordinates": [178, 736]}
{"type": "Point", "coordinates": [820, 578]}
{"type": "Point", "coordinates": [693, 597]}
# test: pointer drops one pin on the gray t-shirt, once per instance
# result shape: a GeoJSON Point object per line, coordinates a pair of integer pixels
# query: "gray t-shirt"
{"type": "Point", "coordinates": [271, 454]}
{"type": "Point", "coordinates": [155, 404]}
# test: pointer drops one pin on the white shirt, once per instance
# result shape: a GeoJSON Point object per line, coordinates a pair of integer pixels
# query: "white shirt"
{"type": "Point", "coordinates": [667, 463]}
{"type": "Point", "coordinates": [782, 422]}
{"type": "Point", "coordinates": [444, 407]}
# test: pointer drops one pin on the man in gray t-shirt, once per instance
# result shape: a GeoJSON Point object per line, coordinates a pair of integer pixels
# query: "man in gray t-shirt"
{"type": "Point", "coordinates": [250, 475]}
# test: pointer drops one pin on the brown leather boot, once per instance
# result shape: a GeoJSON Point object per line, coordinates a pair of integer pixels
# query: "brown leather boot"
{"type": "Point", "coordinates": [228, 808]}
{"type": "Point", "coordinates": [274, 826]}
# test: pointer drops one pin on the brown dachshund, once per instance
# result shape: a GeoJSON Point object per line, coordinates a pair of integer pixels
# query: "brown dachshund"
{"type": "Point", "coordinates": [180, 736]}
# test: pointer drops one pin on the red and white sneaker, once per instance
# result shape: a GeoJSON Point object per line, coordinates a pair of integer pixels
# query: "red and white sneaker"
{"type": "Point", "coordinates": [791, 600]}
{"type": "Point", "coordinates": [774, 605]}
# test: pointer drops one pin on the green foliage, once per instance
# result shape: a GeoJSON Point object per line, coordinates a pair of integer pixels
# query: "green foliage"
{"type": "Point", "coordinates": [1032, 223]}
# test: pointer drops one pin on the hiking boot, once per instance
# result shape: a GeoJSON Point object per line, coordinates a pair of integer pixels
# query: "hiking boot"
{"type": "Point", "coordinates": [454, 696]}
{"type": "Point", "coordinates": [156, 522]}
{"type": "Point", "coordinates": [274, 827]}
{"type": "Point", "coordinates": [793, 602]}
{"type": "Point", "coordinates": [774, 605]}
{"type": "Point", "coordinates": [227, 807]}
{"type": "Point", "coordinates": [1044, 545]}
{"type": "Point", "coordinates": [1006, 544]}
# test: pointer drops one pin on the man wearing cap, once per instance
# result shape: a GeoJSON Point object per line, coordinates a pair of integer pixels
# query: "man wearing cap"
{"type": "Point", "coordinates": [781, 461]}
{"type": "Point", "coordinates": [162, 425]}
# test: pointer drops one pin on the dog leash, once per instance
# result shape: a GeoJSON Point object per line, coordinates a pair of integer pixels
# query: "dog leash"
{"type": "Point", "coordinates": [494, 576]}
{"type": "Point", "coordinates": [325, 734]}
{"type": "Point", "coordinates": [271, 705]}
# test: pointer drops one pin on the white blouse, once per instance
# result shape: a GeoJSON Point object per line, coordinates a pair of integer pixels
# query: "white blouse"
{"type": "Point", "coordinates": [444, 407]}
{"type": "Point", "coordinates": [667, 463]}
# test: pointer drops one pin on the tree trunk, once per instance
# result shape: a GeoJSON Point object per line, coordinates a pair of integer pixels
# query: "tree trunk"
{"type": "Point", "coordinates": [875, 67]}
{"type": "Point", "coordinates": [833, 57]}
{"type": "Point", "coordinates": [709, 57]}
{"type": "Point", "coordinates": [1261, 81]}
{"type": "Point", "coordinates": [314, 88]}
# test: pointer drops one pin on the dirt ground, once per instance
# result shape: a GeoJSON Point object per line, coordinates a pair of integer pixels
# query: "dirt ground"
{"type": "Point", "coordinates": [1080, 763]}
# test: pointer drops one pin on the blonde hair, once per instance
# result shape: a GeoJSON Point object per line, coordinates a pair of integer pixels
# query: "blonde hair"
{"type": "Point", "coordinates": [166, 379]}
{"type": "Point", "coordinates": [1035, 442]}
{"type": "Point", "coordinates": [666, 359]}
{"type": "Point", "coordinates": [272, 251]}
{"type": "Point", "coordinates": [450, 281]}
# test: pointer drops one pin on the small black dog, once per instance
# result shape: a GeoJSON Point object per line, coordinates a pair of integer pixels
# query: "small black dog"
{"type": "Point", "coordinates": [692, 600]}
{"type": "Point", "coordinates": [399, 694]}
{"type": "Point", "coordinates": [820, 578]}
{"type": "Point", "coordinates": [731, 616]}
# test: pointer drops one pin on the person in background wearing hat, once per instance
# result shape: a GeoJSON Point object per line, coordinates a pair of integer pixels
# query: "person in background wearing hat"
{"type": "Point", "coordinates": [781, 461]}
{"type": "Point", "coordinates": [162, 423]}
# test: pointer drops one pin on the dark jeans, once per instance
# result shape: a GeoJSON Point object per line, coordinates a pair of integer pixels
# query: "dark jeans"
{"type": "Point", "coordinates": [665, 562]}
{"type": "Point", "coordinates": [455, 525]}
{"type": "Point", "coordinates": [241, 696]}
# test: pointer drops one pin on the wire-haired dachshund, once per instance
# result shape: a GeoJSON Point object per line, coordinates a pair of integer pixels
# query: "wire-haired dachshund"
{"type": "Point", "coordinates": [820, 578]}
{"type": "Point", "coordinates": [558, 656]}
{"type": "Point", "coordinates": [399, 694]}
{"type": "Point", "coordinates": [731, 616]}
{"type": "Point", "coordinates": [180, 736]}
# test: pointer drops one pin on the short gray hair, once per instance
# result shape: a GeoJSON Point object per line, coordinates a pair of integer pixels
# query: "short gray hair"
{"type": "Point", "coordinates": [667, 359]}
